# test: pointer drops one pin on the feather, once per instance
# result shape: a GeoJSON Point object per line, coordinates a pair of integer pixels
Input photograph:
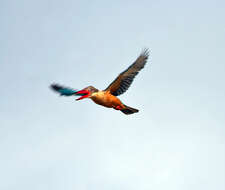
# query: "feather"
{"type": "Point", "coordinates": [63, 91]}
{"type": "Point", "coordinates": [124, 80]}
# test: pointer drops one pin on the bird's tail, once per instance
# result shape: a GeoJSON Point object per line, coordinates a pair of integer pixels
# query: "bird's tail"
{"type": "Point", "coordinates": [128, 110]}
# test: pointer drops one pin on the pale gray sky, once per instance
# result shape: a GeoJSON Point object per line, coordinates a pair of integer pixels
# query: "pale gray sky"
{"type": "Point", "coordinates": [176, 141]}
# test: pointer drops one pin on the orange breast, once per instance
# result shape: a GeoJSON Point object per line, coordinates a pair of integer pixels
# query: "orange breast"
{"type": "Point", "coordinates": [106, 99]}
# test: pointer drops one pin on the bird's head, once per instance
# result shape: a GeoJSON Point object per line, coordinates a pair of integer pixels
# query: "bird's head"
{"type": "Point", "coordinates": [86, 92]}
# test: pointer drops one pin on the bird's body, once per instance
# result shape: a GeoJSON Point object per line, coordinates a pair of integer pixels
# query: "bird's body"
{"type": "Point", "coordinates": [107, 97]}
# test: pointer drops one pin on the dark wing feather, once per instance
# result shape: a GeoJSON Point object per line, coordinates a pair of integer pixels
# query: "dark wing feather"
{"type": "Point", "coordinates": [124, 80]}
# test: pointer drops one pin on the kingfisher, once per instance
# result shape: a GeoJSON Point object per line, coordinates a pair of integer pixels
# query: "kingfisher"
{"type": "Point", "coordinates": [108, 97]}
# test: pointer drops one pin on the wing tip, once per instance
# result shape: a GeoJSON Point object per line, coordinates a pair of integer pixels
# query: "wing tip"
{"type": "Point", "coordinates": [145, 52]}
{"type": "Point", "coordinates": [55, 86]}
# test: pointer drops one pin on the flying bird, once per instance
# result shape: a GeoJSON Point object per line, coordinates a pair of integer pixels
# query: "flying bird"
{"type": "Point", "coordinates": [108, 97]}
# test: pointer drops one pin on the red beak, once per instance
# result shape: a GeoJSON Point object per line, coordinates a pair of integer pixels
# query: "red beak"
{"type": "Point", "coordinates": [83, 93]}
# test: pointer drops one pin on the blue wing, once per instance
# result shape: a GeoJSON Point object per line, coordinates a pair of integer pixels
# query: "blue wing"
{"type": "Point", "coordinates": [63, 91]}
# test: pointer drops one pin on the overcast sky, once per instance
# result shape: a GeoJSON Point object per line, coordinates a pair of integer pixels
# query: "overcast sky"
{"type": "Point", "coordinates": [175, 142]}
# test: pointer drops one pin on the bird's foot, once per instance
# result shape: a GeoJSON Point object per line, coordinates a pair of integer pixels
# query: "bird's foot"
{"type": "Point", "coordinates": [117, 107]}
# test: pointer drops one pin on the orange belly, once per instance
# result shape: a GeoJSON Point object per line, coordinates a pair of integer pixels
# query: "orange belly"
{"type": "Point", "coordinates": [106, 99]}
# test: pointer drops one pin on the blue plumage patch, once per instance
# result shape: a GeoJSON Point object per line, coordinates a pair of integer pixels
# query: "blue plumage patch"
{"type": "Point", "coordinates": [64, 91]}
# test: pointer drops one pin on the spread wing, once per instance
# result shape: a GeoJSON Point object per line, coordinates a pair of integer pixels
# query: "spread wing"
{"type": "Point", "coordinates": [124, 80]}
{"type": "Point", "coordinates": [63, 91]}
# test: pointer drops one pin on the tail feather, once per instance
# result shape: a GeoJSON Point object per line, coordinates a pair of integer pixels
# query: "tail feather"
{"type": "Point", "coordinates": [128, 110]}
